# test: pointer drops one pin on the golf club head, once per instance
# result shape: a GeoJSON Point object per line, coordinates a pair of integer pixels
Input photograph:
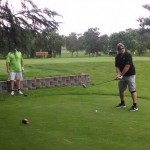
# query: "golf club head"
{"type": "Point", "coordinates": [84, 85]}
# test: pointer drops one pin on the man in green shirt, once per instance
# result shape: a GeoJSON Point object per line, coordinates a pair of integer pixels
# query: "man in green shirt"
{"type": "Point", "coordinates": [14, 65]}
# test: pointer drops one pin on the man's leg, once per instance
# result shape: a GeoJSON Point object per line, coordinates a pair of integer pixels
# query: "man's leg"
{"type": "Point", "coordinates": [122, 95]}
{"type": "Point", "coordinates": [11, 78]}
{"type": "Point", "coordinates": [134, 97]}
{"type": "Point", "coordinates": [122, 87]}
{"type": "Point", "coordinates": [18, 84]}
{"type": "Point", "coordinates": [12, 85]}
{"type": "Point", "coordinates": [132, 89]}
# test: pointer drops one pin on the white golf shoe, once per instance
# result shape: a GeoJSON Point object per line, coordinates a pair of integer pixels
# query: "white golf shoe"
{"type": "Point", "coordinates": [20, 92]}
{"type": "Point", "coordinates": [12, 92]}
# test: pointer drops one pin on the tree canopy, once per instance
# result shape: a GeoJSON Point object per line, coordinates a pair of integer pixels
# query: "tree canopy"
{"type": "Point", "coordinates": [15, 25]}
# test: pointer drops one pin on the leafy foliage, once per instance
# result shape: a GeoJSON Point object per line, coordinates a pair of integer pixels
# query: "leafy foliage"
{"type": "Point", "coordinates": [91, 41]}
{"type": "Point", "coordinates": [145, 22]}
{"type": "Point", "coordinates": [14, 26]}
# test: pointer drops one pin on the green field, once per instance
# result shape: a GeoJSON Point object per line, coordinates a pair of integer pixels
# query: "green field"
{"type": "Point", "coordinates": [76, 118]}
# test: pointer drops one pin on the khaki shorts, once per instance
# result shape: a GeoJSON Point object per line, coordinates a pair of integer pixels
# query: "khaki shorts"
{"type": "Point", "coordinates": [15, 76]}
{"type": "Point", "coordinates": [127, 81]}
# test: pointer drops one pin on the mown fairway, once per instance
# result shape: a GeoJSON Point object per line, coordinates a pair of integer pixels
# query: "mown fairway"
{"type": "Point", "coordinates": [65, 118]}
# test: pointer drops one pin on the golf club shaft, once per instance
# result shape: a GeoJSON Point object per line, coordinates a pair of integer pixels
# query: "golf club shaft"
{"type": "Point", "coordinates": [101, 83]}
{"type": "Point", "coordinates": [105, 82]}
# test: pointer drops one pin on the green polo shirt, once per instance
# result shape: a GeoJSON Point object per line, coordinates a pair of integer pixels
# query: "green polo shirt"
{"type": "Point", "coordinates": [14, 60]}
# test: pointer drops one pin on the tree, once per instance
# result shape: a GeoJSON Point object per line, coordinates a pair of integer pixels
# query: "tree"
{"type": "Point", "coordinates": [114, 39]}
{"type": "Point", "coordinates": [145, 22]}
{"type": "Point", "coordinates": [91, 39]}
{"type": "Point", "coordinates": [128, 37]}
{"type": "Point", "coordinates": [49, 41]}
{"type": "Point", "coordinates": [72, 43]}
{"type": "Point", "coordinates": [104, 43]}
{"type": "Point", "coordinates": [12, 24]}
{"type": "Point", "coordinates": [144, 32]}
{"type": "Point", "coordinates": [81, 46]}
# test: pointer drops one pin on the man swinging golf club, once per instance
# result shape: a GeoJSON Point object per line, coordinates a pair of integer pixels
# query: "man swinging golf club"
{"type": "Point", "coordinates": [126, 75]}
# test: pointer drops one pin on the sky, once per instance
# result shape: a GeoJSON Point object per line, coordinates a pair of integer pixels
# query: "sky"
{"type": "Point", "coordinates": [108, 15]}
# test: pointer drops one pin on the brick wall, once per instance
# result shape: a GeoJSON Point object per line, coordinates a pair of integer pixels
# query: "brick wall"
{"type": "Point", "coordinates": [57, 81]}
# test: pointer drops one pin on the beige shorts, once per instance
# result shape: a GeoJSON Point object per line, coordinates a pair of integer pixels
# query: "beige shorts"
{"type": "Point", "coordinates": [15, 76]}
{"type": "Point", "coordinates": [127, 81]}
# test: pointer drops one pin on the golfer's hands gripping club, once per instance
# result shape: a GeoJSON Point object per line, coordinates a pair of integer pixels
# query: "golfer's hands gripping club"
{"type": "Point", "coordinates": [119, 77]}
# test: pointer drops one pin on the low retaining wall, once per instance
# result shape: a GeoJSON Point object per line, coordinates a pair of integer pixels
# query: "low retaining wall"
{"type": "Point", "coordinates": [58, 81]}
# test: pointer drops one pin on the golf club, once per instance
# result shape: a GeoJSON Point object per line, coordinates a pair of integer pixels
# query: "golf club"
{"type": "Point", "coordinates": [101, 83]}
{"type": "Point", "coordinates": [106, 81]}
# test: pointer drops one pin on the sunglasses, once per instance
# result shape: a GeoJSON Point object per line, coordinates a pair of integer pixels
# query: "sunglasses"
{"type": "Point", "coordinates": [121, 48]}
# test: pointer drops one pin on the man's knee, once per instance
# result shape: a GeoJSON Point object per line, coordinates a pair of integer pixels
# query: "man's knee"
{"type": "Point", "coordinates": [132, 92]}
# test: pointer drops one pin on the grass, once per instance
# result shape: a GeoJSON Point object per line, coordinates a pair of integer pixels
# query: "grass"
{"type": "Point", "coordinates": [66, 118]}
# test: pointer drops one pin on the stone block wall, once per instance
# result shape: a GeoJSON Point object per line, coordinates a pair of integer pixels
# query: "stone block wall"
{"type": "Point", "coordinates": [57, 81]}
